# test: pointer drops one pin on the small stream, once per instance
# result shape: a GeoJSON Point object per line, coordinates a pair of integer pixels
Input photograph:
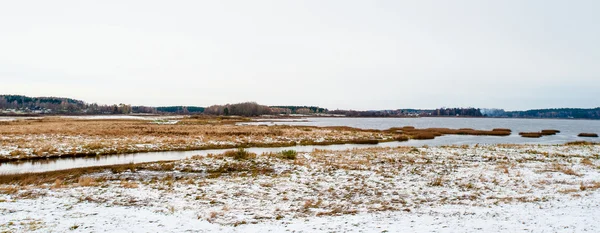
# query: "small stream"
{"type": "Point", "coordinates": [54, 164]}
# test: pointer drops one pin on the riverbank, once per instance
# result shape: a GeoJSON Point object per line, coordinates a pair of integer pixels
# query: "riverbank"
{"type": "Point", "coordinates": [471, 188]}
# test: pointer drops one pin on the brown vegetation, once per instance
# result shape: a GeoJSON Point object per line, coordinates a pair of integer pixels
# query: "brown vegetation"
{"type": "Point", "coordinates": [589, 135]}
{"type": "Point", "coordinates": [550, 132]}
{"type": "Point", "coordinates": [431, 133]}
{"type": "Point", "coordinates": [502, 129]}
{"type": "Point", "coordinates": [53, 137]}
{"type": "Point", "coordinates": [531, 134]}
{"type": "Point", "coordinates": [579, 143]}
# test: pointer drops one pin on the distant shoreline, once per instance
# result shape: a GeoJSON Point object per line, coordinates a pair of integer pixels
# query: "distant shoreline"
{"type": "Point", "coordinates": [290, 117]}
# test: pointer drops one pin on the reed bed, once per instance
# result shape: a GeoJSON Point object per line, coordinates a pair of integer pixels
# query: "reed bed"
{"type": "Point", "coordinates": [53, 137]}
{"type": "Point", "coordinates": [531, 134]}
{"type": "Point", "coordinates": [588, 135]}
{"type": "Point", "coordinates": [431, 133]}
{"type": "Point", "coordinates": [550, 131]}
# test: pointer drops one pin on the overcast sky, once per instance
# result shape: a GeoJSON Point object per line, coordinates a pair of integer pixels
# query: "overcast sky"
{"type": "Point", "coordinates": [512, 54]}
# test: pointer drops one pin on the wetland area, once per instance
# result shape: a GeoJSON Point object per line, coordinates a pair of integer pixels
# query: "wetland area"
{"type": "Point", "coordinates": [232, 174]}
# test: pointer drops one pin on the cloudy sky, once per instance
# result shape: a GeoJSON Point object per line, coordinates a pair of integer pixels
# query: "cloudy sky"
{"type": "Point", "coordinates": [512, 54]}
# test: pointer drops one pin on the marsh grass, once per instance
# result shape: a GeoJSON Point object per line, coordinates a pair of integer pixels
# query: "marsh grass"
{"type": "Point", "coordinates": [580, 143]}
{"type": "Point", "coordinates": [106, 137]}
{"type": "Point", "coordinates": [502, 129]}
{"type": "Point", "coordinates": [589, 135]}
{"type": "Point", "coordinates": [423, 136]}
{"type": "Point", "coordinates": [531, 134]}
{"type": "Point", "coordinates": [240, 154]}
{"type": "Point", "coordinates": [86, 181]}
{"type": "Point", "coordinates": [431, 133]}
{"type": "Point", "coordinates": [240, 168]}
{"type": "Point", "coordinates": [289, 154]}
{"type": "Point", "coordinates": [549, 132]}
{"type": "Point", "coordinates": [69, 176]}
{"type": "Point", "coordinates": [437, 181]}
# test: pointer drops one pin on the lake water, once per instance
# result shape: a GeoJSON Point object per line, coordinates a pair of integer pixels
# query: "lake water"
{"type": "Point", "coordinates": [569, 128]}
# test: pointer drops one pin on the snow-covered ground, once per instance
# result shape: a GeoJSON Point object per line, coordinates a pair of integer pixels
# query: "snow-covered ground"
{"type": "Point", "coordinates": [71, 215]}
{"type": "Point", "coordinates": [504, 188]}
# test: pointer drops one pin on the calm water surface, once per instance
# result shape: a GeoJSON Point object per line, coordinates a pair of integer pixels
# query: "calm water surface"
{"type": "Point", "coordinates": [569, 128]}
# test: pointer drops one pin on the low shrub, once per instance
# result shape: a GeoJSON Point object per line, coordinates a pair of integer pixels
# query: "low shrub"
{"type": "Point", "coordinates": [239, 154]}
{"type": "Point", "coordinates": [288, 154]}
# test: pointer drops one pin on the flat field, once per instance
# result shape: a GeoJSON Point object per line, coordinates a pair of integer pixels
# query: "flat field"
{"type": "Point", "coordinates": [496, 188]}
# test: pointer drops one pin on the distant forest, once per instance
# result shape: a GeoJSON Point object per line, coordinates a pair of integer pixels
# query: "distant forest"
{"type": "Point", "coordinates": [24, 105]}
{"type": "Point", "coordinates": [19, 105]}
{"type": "Point", "coordinates": [575, 113]}
{"type": "Point", "coordinates": [295, 109]}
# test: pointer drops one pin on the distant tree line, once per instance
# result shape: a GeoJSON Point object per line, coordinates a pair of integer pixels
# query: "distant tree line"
{"type": "Point", "coordinates": [576, 113]}
{"type": "Point", "coordinates": [18, 104]}
{"type": "Point", "coordinates": [181, 109]}
{"type": "Point", "coordinates": [55, 105]}
{"type": "Point", "coordinates": [301, 109]}
{"type": "Point", "coordinates": [240, 109]}
{"type": "Point", "coordinates": [371, 113]}
{"type": "Point", "coordinates": [472, 112]}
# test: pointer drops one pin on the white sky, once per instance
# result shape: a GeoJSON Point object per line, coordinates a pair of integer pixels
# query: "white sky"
{"type": "Point", "coordinates": [512, 54]}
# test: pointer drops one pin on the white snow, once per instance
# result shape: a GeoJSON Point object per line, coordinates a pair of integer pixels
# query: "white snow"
{"type": "Point", "coordinates": [505, 188]}
{"type": "Point", "coordinates": [49, 214]}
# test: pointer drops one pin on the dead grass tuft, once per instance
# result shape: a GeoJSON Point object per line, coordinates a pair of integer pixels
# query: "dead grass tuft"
{"type": "Point", "coordinates": [437, 181]}
{"type": "Point", "coordinates": [128, 184]}
{"type": "Point", "coordinates": [86, 181]}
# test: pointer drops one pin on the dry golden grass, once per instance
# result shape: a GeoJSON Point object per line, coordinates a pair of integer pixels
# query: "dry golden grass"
{"type": "Point", "coordinates": [58, 183]}
{"type": "Point", "coordinates": [9, 189]}
{"type": "Point", "coordinates": [587, 162]}
{"type": "Point", "coordinates": [59, 178]}
{"type": "Point", "coordinates": [128, 184]}
{"type": "Point", "coordinates": [51, 137]}
{"type": "Point", "coordinates": [437, 181]}
{"type": "Point", "coordinates": [86, 181]}
{"type": "Point", "coordinates": [579, 143]}
{"type": "Point", "coordinates": [557, 167]}
{"type": "Point", "coordinates": [591, 186]}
